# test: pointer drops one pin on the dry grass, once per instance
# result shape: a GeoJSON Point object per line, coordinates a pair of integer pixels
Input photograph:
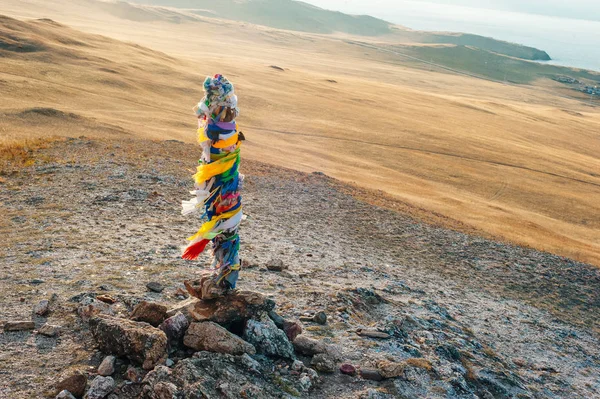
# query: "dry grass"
{"type": "Point", "coordinates": [505, 161]}
{"type": "Point", "coordinates": [420, 363]}
{"type": "Point", "coordinates": [17, 154]}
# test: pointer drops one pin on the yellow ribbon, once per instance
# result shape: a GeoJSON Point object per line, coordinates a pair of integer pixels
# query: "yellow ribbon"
{"type": "Point", "coordinates": [209, 170]}
{"type": "Point", "coordinates": [227, 142]}
{"type": "Point", "coordinates": [204, 231]}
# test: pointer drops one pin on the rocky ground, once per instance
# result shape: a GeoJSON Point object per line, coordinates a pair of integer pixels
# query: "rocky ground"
{"type": "Point", "coordinates": [420, 310]}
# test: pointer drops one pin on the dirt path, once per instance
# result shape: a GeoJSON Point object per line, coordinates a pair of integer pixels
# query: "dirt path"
{"type": "Point", "coordinates": [93, 216]}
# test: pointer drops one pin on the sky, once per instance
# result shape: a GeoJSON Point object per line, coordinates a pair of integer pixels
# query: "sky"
{"type": "Point", "coordinates": [578, 9]}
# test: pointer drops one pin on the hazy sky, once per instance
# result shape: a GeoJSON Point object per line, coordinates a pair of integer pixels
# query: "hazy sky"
{"type": "Point", "coordinates": [581, 9]}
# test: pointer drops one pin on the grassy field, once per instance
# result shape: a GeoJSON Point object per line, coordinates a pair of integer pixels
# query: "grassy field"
{"type": "Point", "coordinates": [516, 163]}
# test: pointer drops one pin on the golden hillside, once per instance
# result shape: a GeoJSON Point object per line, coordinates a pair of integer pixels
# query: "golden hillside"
{"type": "Point", "coordinates": [515, 162]}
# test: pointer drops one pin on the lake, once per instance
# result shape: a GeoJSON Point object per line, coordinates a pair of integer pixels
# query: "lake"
{"type": "Point", "coordinates": [570, 42]}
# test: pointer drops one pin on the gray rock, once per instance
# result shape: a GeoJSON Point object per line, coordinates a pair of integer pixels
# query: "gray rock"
{"type": "Point", "coordinates": [49, 330]}
{"type": "Point", "coordinates": [277, 319]}
{"type": "Point", "coordinates": [305, 383]}
{"type": "Point", "coordinates": [371, 374]}
{"type": "Point", "coordinates": [107, 367]}
{"type": "Point", "coordinates": [211, 337]}
{"type": "Point", "coordinates": [250, 363]}
{"type": "Point", "coordinates": [155, 286]}
{"type": "Point", "coordinates": [323, 362]}
{"type": "Point", "coordinates": [268, 339]}
{"type": "Point", "coordinates": [91, 307]}
{"type": "Point", "coordinates": [100, 388]}
{"type": "Point", "coordinates": [308, 346]}
{"type": "Point", "coordinates": [320, 318]}
{"type": "Point", "coordinates": [175, 326]}
{"type": "Point", "coordinates": [64, 394]}
{"type": "Point", "coordinates": [276, 265]}
{"type": "Point", "coordinates": [42, 308]}
{"type": "Point", "coordinates": [139, 342]}
{"type": "Point", "coordinates": [23, 325]}
{"type": "Point", "coordinates": [297, 365]}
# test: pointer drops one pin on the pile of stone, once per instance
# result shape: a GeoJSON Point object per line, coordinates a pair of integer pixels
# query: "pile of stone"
{"type": "Point", "coordinates": [231, 346]}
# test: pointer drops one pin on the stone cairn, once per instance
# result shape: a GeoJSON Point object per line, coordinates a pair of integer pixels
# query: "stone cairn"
{"type": "Point", "coordinates": [234, 346]}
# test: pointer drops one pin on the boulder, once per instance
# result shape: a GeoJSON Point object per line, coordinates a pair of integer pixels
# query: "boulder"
{"type": "Point", "coordinates": [100, 388]}
{"type": "Point", "coordinates": [211, 337]}
{"type": "Point", "coordinates": [107, 367]}
{"type": "Point", "coordinates": [212, 375]}
{"type": "Point", "coordinates": [236, 307]}
{"type": "Point", "coordinates": [139, 342]}
{"type": "Point", "coordinates": [175, 326]}
{"type": "Point", "coordinates": [150, 312]}
{"type": "Point", "coordinates": [268, 339]}
{"type": "Point", "coordinates": [72, 380]}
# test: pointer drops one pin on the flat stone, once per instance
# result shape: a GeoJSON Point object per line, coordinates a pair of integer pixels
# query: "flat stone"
{"type": "Point", "coordinates": [155, 286]}
{"type": "Point", "coordinates": [73, 381]}
{"type": "Point", "coordinates": [268, 339]}
{"type": "Point", "coordinates": [42, 308]}
{"type": "Point", "coordinates": [150, 312]}
{"type": "Point", "coordinates": [107, 367]}
{"type": "Point", "coordinates": [106, 299]}
{"type": "Point", "coordinates": [19, 325]}
{"type": "Point", "coordinates": [100, 388]}
{"type": "Point", "coordinates": [175, 326]}
{"type": "Point", "coordinates": [236, 307]}
{"type": "Point", "coordinates": [49, 330]}
{"type": "Point", "coordinates": [139, 342]}
{"type": "Point", "coordinates": [211, 337]}
{"type": "Point", "coordinates": [373, 334]}
{"type": "Point", "coordinates": [183, 307]}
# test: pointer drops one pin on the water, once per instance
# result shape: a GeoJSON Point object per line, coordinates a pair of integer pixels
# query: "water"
{"type": "Point", "coordinates": [570, 42]}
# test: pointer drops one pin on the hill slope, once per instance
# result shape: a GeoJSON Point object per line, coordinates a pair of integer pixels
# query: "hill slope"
{"type": "Point", "coordinates": [498, 159]}
{"type": "Point", "coordinates": [282, 14]}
